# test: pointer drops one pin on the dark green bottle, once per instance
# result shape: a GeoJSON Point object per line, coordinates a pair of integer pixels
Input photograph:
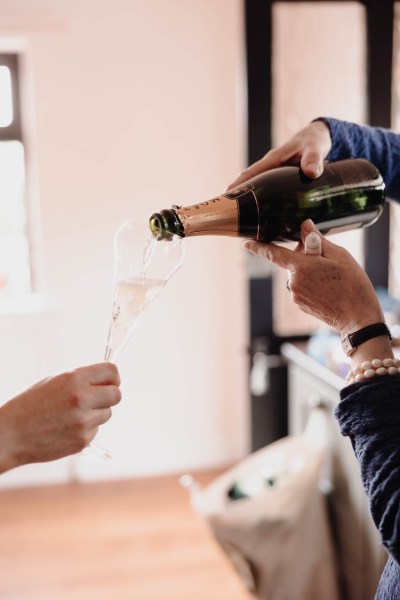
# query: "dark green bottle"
{"type": "Point", "coordinates": [271, 206]}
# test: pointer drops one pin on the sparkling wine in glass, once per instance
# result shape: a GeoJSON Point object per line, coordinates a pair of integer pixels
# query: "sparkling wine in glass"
{"type": "Point", "coordinates": [142, 267]}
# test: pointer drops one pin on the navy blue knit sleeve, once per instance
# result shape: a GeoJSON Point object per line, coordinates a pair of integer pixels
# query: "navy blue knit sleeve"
{"type": "Point", "coordinates": [369, 413]}
{"type": "Point", "coordinates": [379, 146]}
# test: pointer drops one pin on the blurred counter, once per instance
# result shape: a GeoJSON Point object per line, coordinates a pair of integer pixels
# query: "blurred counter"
{"type": "Point", "coordinates": [311, 382]}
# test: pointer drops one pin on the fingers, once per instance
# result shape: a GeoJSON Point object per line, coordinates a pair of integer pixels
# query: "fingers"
{"type": "Point", "coordinates": [308, 226]}
{"type": "Point", "coordinates": [311, 238]}
{"type": "Point", "coordinates": [101, 416]}
{"type": "Point", "coordinates": [104, 373]}
{"type": "Point", "coordinates": [93, 387]}
{"type": "Point", "coordinates": [93, 421]}
{"type": "Point", "coordinates": [280, 256]}
{"type": "Point", "coordinates": [248, 173]}
{"type": "Point", "coordinates": [105, 396]}
{"type": "Point", "coordinates": [311, 163]}
{"type": "Point", "coordinates": [90, 435]}
{"type": "Point", "coordinates": [308, 148]}
{"type": "Point", "coordinates": [315, 144]}
{"type": "Point", "coordinates": [327, 249]}
{"type": "Point", "coordinates": [312, 243]}
{"type": "Point", "coordinates": [274, 158]}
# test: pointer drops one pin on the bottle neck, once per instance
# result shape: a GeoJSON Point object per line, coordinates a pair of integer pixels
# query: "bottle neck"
{"type": "Point", "coordinates": [219, 216]}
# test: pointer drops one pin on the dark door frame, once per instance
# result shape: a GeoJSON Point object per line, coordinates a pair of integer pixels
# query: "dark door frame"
{"type": "Point", "coordinates": [258, 24]}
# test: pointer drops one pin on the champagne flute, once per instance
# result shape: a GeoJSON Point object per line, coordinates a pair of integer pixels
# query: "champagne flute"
{"type": "Point", "coordinates": [142, 267]}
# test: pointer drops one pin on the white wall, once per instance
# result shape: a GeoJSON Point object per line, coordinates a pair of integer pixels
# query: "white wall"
{"type": "Point", "coordinates": [137, 105]}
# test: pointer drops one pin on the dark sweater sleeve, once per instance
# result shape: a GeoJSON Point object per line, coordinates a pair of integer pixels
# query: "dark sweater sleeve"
{"type": "Point", "coordinates": [369, 413]}
{"type": "Point", "coordinates": [379, 146]}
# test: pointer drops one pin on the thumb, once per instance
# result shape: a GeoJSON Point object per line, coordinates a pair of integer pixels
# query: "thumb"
{"type": "Point", "coordinates": [325, 248]}
{"type": "Point", "coordinates": [312, 163]}
{"type": "Point", "coordinates": [311, 238]}
{"type": "Point", "coordinates": [280, 256]}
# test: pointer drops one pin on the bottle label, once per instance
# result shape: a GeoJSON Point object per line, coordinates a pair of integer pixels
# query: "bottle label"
{"type": "Point", "coordinates": [246, 198]}
{"type": "Point", "coordinates": [218, 216]}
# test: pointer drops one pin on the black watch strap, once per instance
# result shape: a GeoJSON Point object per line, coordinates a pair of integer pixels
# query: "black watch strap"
{"type": "Point", "coordinates": [351, 341]}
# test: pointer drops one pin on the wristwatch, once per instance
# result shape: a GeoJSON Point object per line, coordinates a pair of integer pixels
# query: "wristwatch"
{"type": "Point", "coordinates": [351, 341]}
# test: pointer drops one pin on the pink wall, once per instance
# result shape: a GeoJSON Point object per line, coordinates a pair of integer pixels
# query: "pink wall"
{"type": "Point", "coordinates": [137, 105]}
{"type": "Point", "coordinates": [319, 68]}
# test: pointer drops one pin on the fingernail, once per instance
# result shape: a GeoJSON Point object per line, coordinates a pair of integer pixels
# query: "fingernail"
{"type": "Point", "coordinates": [315, 168]}
{"type": "Point", "coordinates": [312, 244]}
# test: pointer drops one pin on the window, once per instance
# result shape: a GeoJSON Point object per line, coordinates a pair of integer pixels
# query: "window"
{"type": "Point", "coordinates": [15, 261]}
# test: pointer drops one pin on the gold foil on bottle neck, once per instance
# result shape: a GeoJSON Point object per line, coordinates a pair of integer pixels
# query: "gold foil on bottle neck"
{"type": "Point", "coordinates": [219, 216]}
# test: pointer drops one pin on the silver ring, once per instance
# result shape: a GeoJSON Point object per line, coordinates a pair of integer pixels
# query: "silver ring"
{"type": "Point", "coordinates": [287, 285]}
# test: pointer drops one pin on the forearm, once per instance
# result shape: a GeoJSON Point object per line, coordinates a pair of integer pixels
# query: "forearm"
{"type": "Point", "coordinates": [8, 453]}
{"type": "Point", "coordinates": [380, 146]}
{"type": "Point", "coordinates": [369, 414]}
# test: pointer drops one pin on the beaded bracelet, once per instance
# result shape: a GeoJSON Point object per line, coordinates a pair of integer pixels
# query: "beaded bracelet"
{"type": "Point", "coordinates": [371, 368]}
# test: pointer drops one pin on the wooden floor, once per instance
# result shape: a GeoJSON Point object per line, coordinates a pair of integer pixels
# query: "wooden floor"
{"type": "Point", "coordinates": [125, 540]}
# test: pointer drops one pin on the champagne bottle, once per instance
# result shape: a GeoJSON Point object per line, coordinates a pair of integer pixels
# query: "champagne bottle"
{"type": "Point", "coordinates": [271, 206]}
